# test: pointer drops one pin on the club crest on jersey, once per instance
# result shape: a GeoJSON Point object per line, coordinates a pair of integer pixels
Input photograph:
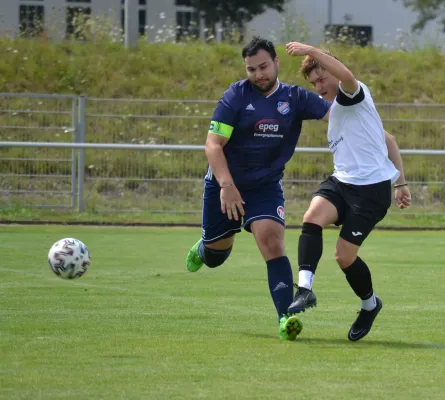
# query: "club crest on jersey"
{"type": "Point", "coordinates": [283, 107]}
{"type": "Point", "coordinates": [280, 212]}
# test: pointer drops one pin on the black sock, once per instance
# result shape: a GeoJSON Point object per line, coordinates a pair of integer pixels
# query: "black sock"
{"type": "Point", "coordinates": [359, 278]}
{"type": "Point", "coordinates": [310, 247]}
{"type": "Point", "coordinates": [281, 283]}
{"type": "Point", "coordinates": [213, 258]}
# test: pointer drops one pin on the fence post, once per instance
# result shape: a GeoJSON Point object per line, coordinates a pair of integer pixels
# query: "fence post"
{"type": "Point", "coordinates": [75, 138]}
{"type": "Point", "coordinates": [81, 158]}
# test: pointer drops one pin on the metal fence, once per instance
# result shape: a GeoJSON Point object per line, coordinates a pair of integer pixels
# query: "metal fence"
{"type": "Point", "coordinates": [146, 155]}
{"type": "Point", "coordinates": [41, 177]}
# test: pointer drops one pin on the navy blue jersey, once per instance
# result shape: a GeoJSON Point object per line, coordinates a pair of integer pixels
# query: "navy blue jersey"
{"type": "Point", "coordinates": [262, 130]}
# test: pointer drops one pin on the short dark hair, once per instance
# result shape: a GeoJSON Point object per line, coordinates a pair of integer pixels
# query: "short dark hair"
{"type": "Point", "coordinates": [256, 44]}
{"type": "Point", "coordinates": [310, 64]}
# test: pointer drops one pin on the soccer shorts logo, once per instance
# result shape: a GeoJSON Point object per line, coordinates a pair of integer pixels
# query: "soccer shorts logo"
{"type": "Point", "coordinates": [280, 212]}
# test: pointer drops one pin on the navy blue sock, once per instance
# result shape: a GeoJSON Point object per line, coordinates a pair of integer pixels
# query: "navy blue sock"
{"type": "Point", "coordinates": [213, 258]}
{"type": "Point", "coordinates": [281, 283]}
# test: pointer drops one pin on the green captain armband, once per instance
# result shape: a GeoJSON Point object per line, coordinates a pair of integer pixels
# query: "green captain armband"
{"type": "Point", "coordinates": [218, 128]}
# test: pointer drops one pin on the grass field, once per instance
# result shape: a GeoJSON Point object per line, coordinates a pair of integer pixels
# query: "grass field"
{"type": "Point", "coordinates": [138, 326]}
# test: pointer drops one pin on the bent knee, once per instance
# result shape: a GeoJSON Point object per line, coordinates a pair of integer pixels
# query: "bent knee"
{"type": "Point", "coordinates": [321, 212]}
{"type": "Point", "coordinates": [215, 258]}
{"type": "Point", "coordinates": [318, 216]}
{"type": "Point", "coordinates": [275, 244]}
{"type": "Point", "coordinates": [344, 258]}
{"type": "Point", "coordinates": [310, 216]}
{"type": "Point", "coordinates": [272, 244]}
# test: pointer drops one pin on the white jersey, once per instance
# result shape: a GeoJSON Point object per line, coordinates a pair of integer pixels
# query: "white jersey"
{"type": "Point", "coordinates": [357, 140]}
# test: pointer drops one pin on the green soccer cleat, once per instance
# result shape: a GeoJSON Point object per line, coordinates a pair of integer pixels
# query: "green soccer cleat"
{"type": "Point", "coordinates": [290, 327]}
{"type": "Point", "coordinates": [193, 261]}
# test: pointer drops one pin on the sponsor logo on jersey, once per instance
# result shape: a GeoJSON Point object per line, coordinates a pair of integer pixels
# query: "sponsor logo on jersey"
{"type": "Point", "coordinates": [333, 144]}
{"type": "Point", "coordinates": [268, 129]}
{"type": "Point", "coordinates": [267, 126]}
{"type": "Point", "coordinates": [283, 107]}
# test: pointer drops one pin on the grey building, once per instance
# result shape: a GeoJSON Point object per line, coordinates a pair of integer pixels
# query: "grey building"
{"type": "Point", "coordinates": [382, 22]}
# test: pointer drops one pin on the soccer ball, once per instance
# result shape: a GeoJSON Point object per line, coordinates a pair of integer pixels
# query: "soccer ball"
{"type": "Point", "coordinates": [69, 258]}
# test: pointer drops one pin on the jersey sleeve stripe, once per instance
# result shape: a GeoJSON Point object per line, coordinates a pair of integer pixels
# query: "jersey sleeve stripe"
{"type": "Point", "coordinates": [345, 99]}
{"type": "Point", "coordinates": [350, 95]}
{"type": "Point", "coordinates": [219, 128]}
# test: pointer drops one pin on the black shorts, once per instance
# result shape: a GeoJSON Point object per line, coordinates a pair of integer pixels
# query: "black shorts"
{"type": "Point", "coordinates": [359, 207]}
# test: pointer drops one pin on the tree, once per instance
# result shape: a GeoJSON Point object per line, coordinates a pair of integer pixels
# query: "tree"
{"type": "Point", "coordinates": [235, 12]}
{"type": "Point", "coordinates": [429, 10]}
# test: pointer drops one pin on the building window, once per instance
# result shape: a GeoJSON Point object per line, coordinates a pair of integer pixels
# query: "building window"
{"type": "Point", "coordinates": [360, 35]}
{"type": "Point", "coordinates": [142, 17]}
{"type": "Point", "coordinates": [77, 22]}
{"type": "Point", "coordinates": [141, 2]}
{"type": "Point", "coordinates": [187, 23]}
{"type": "Point", "coordinates": [186, 3]}
{"type": "Point", "coordinates": [31, 20]}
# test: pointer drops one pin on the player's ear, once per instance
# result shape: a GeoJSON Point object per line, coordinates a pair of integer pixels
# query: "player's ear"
{"type": "Point", "coordinates": [277, 61]}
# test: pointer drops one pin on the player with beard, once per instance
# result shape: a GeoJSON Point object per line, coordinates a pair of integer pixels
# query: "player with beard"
{"type": "Point", "coordinates": [252, 135]}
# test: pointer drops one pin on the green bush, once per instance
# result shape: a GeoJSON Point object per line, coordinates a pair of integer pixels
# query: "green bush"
{"type": "Point", "coordinates": [196, 70]}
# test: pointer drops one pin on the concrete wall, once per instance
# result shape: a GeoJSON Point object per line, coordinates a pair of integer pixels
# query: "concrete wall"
{"type": "Point", "coordinates": [303, 20]}
{"type": "Point", "coordinates": [390, 20]}
{"type": "Point", "coordinates": [161, 19]}
{"type": "Point", "coordinates": [9, 17]}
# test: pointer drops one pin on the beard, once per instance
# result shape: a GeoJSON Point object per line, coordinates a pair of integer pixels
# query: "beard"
{"type": "Point", "coordinates": [265, 89]}
{"type": "Point", "coordinates": [268, 86]}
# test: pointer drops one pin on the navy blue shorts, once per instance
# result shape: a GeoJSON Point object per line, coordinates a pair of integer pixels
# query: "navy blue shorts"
{"type": "Point", "coordinates": [265, 202]}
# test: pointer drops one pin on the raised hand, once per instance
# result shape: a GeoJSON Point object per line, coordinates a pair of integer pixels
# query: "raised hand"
{"type": "Point", "coordinates": [298, 49]}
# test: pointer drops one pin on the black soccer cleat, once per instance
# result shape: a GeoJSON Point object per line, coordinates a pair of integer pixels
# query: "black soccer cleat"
{"type": "Point", "coordinates": [304, 298]}
{"type": "Point", "coordinates": [362, 325]}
